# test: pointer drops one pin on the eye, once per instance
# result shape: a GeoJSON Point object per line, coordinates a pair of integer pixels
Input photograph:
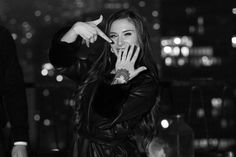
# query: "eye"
{"type": "Point", "coordinates": [128, 34]}
{"type": "Point", "coordinates": [112, 35]}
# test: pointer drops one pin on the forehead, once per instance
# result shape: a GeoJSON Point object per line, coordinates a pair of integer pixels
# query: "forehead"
{"type": "Point", "coordinates": [122, 25]}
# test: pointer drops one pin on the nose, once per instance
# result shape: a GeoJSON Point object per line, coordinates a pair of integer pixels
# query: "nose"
{"type": "Point", "coordinates": [120, 41]}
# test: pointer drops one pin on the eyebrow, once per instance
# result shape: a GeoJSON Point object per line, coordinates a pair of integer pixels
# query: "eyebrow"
{"type": "Point", "coordinates": [124, 31]}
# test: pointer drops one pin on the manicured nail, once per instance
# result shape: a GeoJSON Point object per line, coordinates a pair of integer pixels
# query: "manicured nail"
{"type": "Point", "coordinates": [111, 42]}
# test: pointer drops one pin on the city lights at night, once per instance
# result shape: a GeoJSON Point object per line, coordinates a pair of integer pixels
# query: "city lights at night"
{"type": "Point", "coordinates": [194, 48]}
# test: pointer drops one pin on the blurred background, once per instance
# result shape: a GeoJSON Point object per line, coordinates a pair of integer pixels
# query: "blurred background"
{"type": "Point", "coordinates": [194, 44]}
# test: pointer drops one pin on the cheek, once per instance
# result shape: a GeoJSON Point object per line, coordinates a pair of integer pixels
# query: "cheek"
{"type": "Point", "coordinates": [137, 42]}
{"type": "Point", "coordinates": [113, 50]}
{"type": "Point", "coordinates": [133, 41]}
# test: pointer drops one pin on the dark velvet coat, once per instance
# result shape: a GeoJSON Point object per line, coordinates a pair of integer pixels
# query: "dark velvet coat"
{"type": "Point", "coordinates": [12, 91]}
{"type": "Point", "coordinates": [109, 114]}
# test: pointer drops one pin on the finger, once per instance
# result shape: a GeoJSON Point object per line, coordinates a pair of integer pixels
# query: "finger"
{"type": "Point", "coordinates": [93, 39]}
{"type": "Point", "coordinates": [83, 41]}
{"type": "Point", "coordinates": [131, 51]}
{"type": "Point", "coordinates": [97, 21]}
{"type": "Point", "coordinates": [87, 42]}
{"type": "Point", "coordinates": [119, 55]}
{"type": "Point", "coordinates": [135, 56]}
{"type": "Point", "coordinates": [103, 35]}
{"type": "Point", "coordinates": [124, 55]}
{"type": "Point", "coordinates": [129, 55]}
{"type": "Point", "coordinates": [139, 70]}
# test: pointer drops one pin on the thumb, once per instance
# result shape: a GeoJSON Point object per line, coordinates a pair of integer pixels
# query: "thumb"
{"type": "Point", "coordinates": [140, 69]}
{"type": "Point", "coordinates": [97, 21]}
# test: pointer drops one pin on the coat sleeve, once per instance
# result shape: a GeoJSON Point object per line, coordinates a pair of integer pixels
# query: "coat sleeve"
{"type": "Point", "coordinates": [122, 102]}
{"type": "Point", "coordinates": [141, 98]}
{"type": "Point", "coordinates": [70, 59]}
{"type": "Point", "coordinates": [14, 91]}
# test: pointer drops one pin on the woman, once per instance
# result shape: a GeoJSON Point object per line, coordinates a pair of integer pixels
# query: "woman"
{"type": "Point", "coordinates": [115, 93]}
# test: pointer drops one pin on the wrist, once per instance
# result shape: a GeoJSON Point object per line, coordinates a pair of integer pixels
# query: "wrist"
{"type": "Point", "coordinates": [119, 81]}
{"type": "Point", "coordinates": [122, 76]}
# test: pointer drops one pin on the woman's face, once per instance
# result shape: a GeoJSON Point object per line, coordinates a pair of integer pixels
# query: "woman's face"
{"type": "Point", "coordinates": [123, 33]}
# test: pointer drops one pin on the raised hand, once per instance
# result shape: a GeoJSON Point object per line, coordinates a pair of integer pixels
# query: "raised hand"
{"type": "Point", "coordinates": [89, 31]}
{"type": "Point", "coordinates": [124, 67]}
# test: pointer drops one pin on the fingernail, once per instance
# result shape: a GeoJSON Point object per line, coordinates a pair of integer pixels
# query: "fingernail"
{"type": "Point", "coordinates": [111, 42]}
